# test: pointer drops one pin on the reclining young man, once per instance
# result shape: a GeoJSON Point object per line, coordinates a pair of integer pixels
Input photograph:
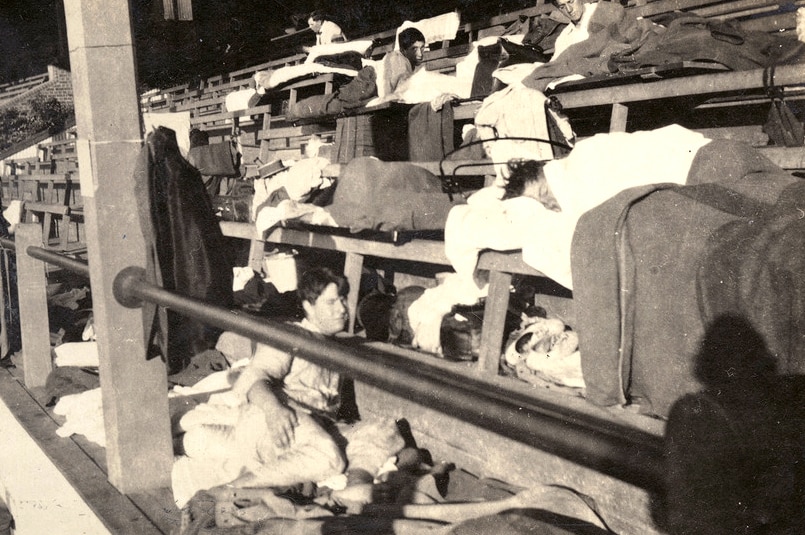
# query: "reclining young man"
{"type": "Point", "coordinates": [278, 429]}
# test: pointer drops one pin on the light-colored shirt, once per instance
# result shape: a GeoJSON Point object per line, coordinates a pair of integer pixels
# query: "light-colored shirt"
{"type": "Point", "coordinates": [396, 69]}
{"type": "Point", "coordinates": [308, 384]}
{"type": "Point", "coordinates": [330, 33]}
{"type": "Point", "coordinates": [574, 33]}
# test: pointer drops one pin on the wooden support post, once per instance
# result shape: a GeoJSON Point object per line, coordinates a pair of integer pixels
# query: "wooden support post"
{"type": "Point", "coordinates": [32, 288]}
{"type": "Point", "coordinates": [139, 448]}
{"type": "Point", "coordinates": [257, 251]}
{"type": "Point", "coordinates": [494, 320]}
{"type": "Point", "coordinates": [353, 268]}
{"type": "Point", "coordinates": [617, 121]}
{"type": "Point", "coordinates": [5, 302]}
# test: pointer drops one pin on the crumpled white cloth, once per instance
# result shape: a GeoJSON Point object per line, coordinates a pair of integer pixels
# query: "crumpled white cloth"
{"type": "Point", "coordinates": [84, 414]}
{"type": "Point", "coordinates": [267, 80]}
{"type": "Point", "coordinates": [76, 354]}
{"type": "Point", "coordinates": [516, 111]}
{"type": "Point", "coordinates": [239, 100]}
{"type": "Point", "coordinates": [486, 222]}
{"type": "Point", "coordinates": [442, 27]}
{"type": "Point", "coordinates": [426, 313]}
{"type": "Point", "coordinates": [13, 214]}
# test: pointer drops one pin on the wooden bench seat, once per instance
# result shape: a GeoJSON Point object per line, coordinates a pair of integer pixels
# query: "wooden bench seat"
{"type": "Point", "coordinates": [56, 222]}
{"type": "Point", "coordinates": [705, 90]}
{"type": "Point", "coordinates": [412, 248]}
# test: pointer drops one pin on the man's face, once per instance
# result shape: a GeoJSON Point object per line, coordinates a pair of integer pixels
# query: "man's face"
{"type": "Point", "coordinates": [415, 53]}
{"type": "Point", "coordinates": [315, 25]}
{"type": "Point", "coordinates": [572, 8]}
{"type": "Point", "coordinates": [329, 312]}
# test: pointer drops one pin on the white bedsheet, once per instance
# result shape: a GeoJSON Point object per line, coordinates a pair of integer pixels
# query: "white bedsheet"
{"type": "Point", "coordinates": [270, 79]}
{"type": "Point", "coordinates": [597, 169]}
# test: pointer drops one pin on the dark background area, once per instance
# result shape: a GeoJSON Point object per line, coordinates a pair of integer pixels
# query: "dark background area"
{"type": "Point", "coordinates": [225, 35]}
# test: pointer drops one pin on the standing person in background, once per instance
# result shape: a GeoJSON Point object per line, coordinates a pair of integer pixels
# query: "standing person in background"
{"type": "Point", "coordinates": [326, 30]}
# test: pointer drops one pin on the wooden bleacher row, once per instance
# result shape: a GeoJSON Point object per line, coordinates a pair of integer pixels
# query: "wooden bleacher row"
{"type": "Point", "coordinates": [47, 187]}
{"type": "Point", "coordinates": [13, 89]}
{"type": "Point", "coordinates": [759, 15]}
{"type": "Point", "coordinates": [273, 133]}
{"type": "Point", "coordinates": [502, 266]}
{"type": "Point", "coordinates": [755, 15]}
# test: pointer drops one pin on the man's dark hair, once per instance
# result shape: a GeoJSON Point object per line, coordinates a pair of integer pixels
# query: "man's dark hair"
{"type": "Point", "coordinates": [316, 279]}
{"type": "Point", "coordinates": [318, 15]}
{"type": "Point", "coordinates": [521, 172]}
{"type": "Point", "coordinates": [408, 37]}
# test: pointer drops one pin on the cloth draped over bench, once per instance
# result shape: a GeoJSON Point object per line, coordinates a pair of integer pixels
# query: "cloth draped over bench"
{"type": "Point", "coordinates": [372, 194]}
{"type": "Point", "coordinates": [638, 270]}
{"type": "Point", "coordinates": [620, 43]}
{"type": "Point", "coordinates": [579, 182]}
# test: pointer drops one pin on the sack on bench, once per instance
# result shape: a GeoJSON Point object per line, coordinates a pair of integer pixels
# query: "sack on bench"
{"type": "Point", "coordinates": [377, 195]}
{"type": "Point", "coordinates": [235, 206]}
{"type": "Point", "coordinates": [354, 94]}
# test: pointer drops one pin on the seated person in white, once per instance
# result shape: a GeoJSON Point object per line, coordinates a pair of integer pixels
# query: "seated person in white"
{"type": "Point", "coordinates": [400, 64]}
{"type": "Point", "coordinates": [326, 31]}
{"type": "Point", "coordinates": [279, 429]}
{"type": "Point", "coordinates": [579, 14]}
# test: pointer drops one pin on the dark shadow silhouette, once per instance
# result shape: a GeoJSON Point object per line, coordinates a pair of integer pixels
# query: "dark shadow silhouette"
{"type": "Point", "coordinates": [735, 451]}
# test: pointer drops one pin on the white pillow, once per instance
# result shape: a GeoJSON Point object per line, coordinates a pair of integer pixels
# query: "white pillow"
{"type": "Point", "coordinates": [361, 47]}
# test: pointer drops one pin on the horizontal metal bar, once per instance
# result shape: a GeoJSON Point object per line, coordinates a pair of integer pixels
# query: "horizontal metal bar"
{"type": "Point", "coordinates": [619, 451]}
{"type": "Point", "coordinates": [77, 266]}
{"type": "Point", "coordinates": [65, 262]}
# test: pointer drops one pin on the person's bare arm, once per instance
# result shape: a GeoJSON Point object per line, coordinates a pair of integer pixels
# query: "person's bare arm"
{"type": "Point", "coordinates": [260, 382]}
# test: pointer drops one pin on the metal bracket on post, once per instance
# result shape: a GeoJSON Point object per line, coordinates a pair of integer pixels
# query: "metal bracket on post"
{"type": "Point", "coordinates": [125, 284]}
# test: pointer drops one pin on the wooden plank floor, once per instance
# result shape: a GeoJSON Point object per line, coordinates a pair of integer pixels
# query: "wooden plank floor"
{"type": "Point", "coordinates": [83, 465]}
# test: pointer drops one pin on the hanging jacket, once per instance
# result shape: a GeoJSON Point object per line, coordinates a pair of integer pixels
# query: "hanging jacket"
{"type": "Point", "coordinates": [186, 251]}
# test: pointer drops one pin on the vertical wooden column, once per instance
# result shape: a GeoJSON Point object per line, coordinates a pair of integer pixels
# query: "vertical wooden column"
{"type": "Point", "coordinates": [353, 268]}
{"type": "Point", "coordinates": [617, 121]}
{"type": "Point", "coordinates": [139, 449]}
{"type": "Point", "coordinates": [32, 289]}
{"type": "Point", "coordinates": [494, 321]}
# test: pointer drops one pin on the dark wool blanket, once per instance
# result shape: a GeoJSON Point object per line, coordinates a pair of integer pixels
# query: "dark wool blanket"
{"type": "Point", "coordinates": [636, 264]}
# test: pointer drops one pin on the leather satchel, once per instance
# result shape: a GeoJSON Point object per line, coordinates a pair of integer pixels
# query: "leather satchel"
{"type": "Point", "coordinates": [236, 206]}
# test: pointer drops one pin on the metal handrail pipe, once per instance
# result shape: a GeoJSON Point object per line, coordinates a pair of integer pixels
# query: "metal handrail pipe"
{"type": "Point", "coordinates": [622, 452]}
{"type": "Point", "coordinates": [40, 253]}
{"type": "Point", "coordinates": [60, 260]}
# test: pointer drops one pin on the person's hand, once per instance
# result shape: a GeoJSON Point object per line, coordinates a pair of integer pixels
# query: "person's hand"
{"type": "Point", "coordinates": [281, 422]}
{"type": "Point", "coordinates": [437, 103]}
